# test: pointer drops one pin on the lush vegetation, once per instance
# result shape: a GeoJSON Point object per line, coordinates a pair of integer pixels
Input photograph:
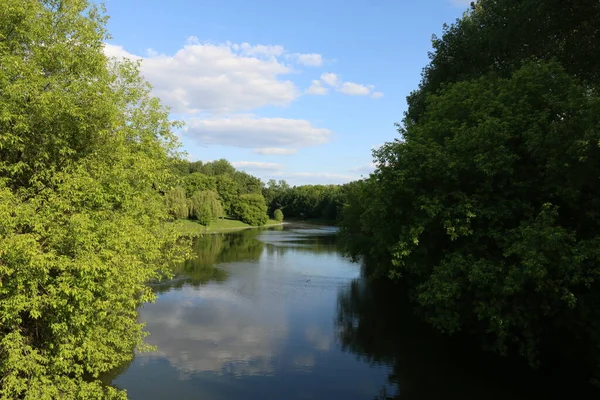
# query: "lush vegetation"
{"type": "Point", "coordinates": [85, 154]}
{"type": "Point", "coordinates": [278, 215]}
{"type": "Point", "coordinates": [488, 205]}
{"type": "Point", "coordinates": [212, 190]}
{"type": "Point", "coordinates": [322, 202]}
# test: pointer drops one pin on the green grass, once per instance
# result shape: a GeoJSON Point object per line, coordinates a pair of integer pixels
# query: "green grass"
{"type": "Point", "coordinates": [192, 228]}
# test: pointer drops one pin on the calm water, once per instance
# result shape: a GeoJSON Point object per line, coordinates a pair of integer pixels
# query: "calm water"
{"type": "Point", "coordinates": [280, 314]}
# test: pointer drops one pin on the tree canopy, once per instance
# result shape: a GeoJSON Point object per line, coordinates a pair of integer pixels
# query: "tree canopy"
{"type": "Point", "coordinates": [85, 153]}
{"type": "Point", "coordinates": [487, 205]}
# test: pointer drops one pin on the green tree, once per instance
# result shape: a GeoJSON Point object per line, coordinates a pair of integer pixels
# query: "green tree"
{"type": "Point", "coordinates": [197, 181]}
{"type": "Point", "coordinates": [228, 192]}
{"type": "Point", "coordinates": [489, 208]}
{"type": "Point", "coordinates": [205, 206]}
{"type": "Point", "coordinates": [251, 209]}
{"type": "Point", "coordinates": [84, 154]}
{"type": "Point", "coordinates": [278, 215]}
{"type": "Point", "coordinates": [503, 35]}
{"type": "Point", "coordinates": [247, 184]}
{"type": "Point", "coordinates": [177, 203]}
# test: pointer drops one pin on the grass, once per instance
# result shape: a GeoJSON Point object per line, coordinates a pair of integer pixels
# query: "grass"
{"type": "Point", "coordinates": [193, 228]}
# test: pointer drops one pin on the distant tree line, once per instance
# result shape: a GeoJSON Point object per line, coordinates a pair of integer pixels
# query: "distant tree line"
{"type": "Point", "coordinates": [323, 202]}
{"type": "Point", "coordinates": [487, 206]}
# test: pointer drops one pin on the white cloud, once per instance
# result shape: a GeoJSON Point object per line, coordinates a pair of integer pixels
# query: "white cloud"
{"type": "Point", "coordinates": [317, 88]}
{"type": "Point", "coordinates": [330, 78]}
{"type": "Point", "coordinates": [259, 50]}
{"type": "Point", "coordinates": [252, 165]}
{"type": "Point", "coordinates": [354, 89]}
{"type": "Point", "coordinates": [349, 88]}
{"type": "Point", "coordinates": [229, 337]}
{"type": "Point", "coordinates": [216, 78]}
{"type": "Point", "coordinates": [250, 131]}
{"type": "Point", "coordinates": [309, 60]}
{"type": "Point", "coordinates": [111, 50]}
{"type": "Point", "coordinates": [274, 151]}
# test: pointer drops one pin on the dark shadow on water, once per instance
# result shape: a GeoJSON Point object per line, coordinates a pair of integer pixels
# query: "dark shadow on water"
{"type": "Point", "coordinates": [376, 323]}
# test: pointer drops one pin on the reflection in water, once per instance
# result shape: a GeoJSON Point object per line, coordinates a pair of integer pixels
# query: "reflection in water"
{"type": "Point", "coordinates": [376, 323]}
{"type": "Point", "coordinates": [263, 330]}
{"type": "Point", "coordinates": [280, 314]}
{"type": "Point", "coordinates": [209, 252]}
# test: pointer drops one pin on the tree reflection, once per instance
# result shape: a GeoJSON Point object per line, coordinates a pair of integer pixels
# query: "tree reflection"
{"type": "Point", "coordinates": [376, 323]}
{"type": "Point", "coordinates": [210, 251]}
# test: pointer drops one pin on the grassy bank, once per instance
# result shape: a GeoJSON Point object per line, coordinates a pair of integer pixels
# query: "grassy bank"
{"type": "Point", "coordinates": [192, 228]}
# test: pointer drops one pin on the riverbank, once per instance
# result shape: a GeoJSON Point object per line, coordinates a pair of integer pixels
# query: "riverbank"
{"type": "Point", "coordinates": [313, 221]}
{"type": "Point", "coordinates": [192, 228]}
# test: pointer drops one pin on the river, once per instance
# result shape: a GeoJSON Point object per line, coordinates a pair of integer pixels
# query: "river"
{"type": "Point", "coordinates": [281, 314]}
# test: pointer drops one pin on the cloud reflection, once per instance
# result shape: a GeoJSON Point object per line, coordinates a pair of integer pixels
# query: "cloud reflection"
{"type": "Point", "coordinates": [231, 336]}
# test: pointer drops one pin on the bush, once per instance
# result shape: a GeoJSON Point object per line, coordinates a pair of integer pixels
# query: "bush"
{"type": "Point", "coordinates": [251, 209]}
{"type": "Point", "coordinates": [278, 215]}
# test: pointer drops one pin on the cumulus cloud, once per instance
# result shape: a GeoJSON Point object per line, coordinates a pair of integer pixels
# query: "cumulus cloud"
{"type": "Point", "coordinates": [216, 78]}
{"type": "Point", "coordinates": [251, 165]}
{"type": "Point", "coordinates": [230, 337]}
{"type": "Point", "coordinates": [250, 131]}
{"type": "Point", "coordinates": [308, 60]}
{"type": "Point", "coordinates": [354, 89]}
{"type": "Point", "coordinates": [317, 88]}
{"type": "Point", "coordinates": [277, 151]}
{"type": "Point", "coordinates": [259, 50]}
{"type": "Point", "coordinates": [348, 88]}
{"type": "Point", "coordinates": [330, 78]}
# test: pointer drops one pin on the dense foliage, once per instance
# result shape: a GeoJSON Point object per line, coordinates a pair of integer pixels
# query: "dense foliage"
{"type": "Point", "coordinates": [488, 206]}
{"type": "Point", "coordinates": [205, 206]}
{"type": "Point", "coordinates": [306, 201]}
{"type": "Point", "coordinates": [84, 156]}
{"type": "Point", "coordinates": [214, 189]}
{"type": "Point", "coordinates": [251, 209]}
{"type": "Point", "coordinates": [278, 215]}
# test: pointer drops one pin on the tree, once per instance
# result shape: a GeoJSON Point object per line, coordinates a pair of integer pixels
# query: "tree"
{"type": "Point", "coordinates": [251, 209]}
{"type": "Point", "coordinates": [228, 192]}
{"type": "Point", "coordinates": [84, 154]}
{"type": "Point", "coordinates": [177, 203]}
{"type": "Point", "coordinates": [503, 35]}
{"type": "Point", "coordinates": [489, 208]}
{"type": "Point", "coordinates": [205, 206]}
{"type": "Point", "coordinates": [278, 215]}
{"type": "Point", "coordinates": [247, 184]}
{"type": "Point", "coordinates": [197, 181]}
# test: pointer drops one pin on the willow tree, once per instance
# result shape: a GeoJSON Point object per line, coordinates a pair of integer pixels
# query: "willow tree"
{"type": "Point", "coordinates": [205, 206]}
{"type": "Point", "coordinates": [177, 203]}
{"type": "Point", "coordinates": [84, 153]}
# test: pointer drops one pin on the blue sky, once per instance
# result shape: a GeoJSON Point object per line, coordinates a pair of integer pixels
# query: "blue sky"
{"type": "Point", "coordinates": [294, 90]}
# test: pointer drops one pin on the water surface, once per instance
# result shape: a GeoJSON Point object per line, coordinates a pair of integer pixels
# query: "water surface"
{"type": "Point", "coordinates": [280, 314]}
